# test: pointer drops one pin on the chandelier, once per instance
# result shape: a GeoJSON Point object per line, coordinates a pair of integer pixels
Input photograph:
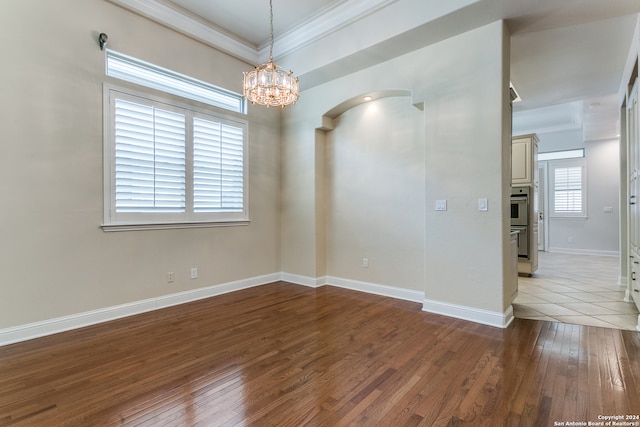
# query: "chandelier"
{"type": "Point", "coordinates": [269, 84]}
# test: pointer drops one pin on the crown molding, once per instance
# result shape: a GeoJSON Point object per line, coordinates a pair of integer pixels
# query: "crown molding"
{"type": "Point", "coordinates": [175, 19]}
{"type": "Point", "coordinates": [325, 22]}
{"type": "Point", "coordinates": [308, 31]}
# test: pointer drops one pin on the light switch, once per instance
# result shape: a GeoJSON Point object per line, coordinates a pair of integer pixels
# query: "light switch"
{"type": "Point", "coordinates": [483, 205]}
{"type": "Point", "coordinates": [441, 205]}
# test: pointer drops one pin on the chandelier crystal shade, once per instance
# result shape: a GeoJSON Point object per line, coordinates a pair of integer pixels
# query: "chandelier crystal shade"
{"type": "Point", "coordinates": [269, 84]}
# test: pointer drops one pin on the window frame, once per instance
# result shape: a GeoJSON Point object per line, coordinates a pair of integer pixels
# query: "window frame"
{"type": "Point", "coordinates": [134, 70]}
{"type": "Point", "coordinates": [114, 221]}
{"type": "Point", "coordinates": [547, 156]}
{"type": "Point", "coordinates": [562, 164]}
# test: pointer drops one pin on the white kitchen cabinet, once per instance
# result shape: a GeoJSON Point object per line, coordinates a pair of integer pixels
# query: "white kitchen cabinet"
{"type": "Point", "coordinates": [524, 164]}
{"type": "Point", "coordinates": [633, 191]}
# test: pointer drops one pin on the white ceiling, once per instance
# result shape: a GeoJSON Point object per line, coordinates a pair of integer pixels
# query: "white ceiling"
{"type": "Point", "coordinates": [254, 27]}
{"type": "Point", "coordinates": [567, 56]}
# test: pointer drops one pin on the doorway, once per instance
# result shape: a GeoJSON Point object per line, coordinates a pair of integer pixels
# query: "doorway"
{"type": "Point", "coordinates": [576, 285]}
{"type": "Point", "coordinates": [541, 200]}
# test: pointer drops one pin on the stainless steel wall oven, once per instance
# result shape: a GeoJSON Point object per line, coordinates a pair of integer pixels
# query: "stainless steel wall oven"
{"type": "Point", "coordinates": [520, 218]}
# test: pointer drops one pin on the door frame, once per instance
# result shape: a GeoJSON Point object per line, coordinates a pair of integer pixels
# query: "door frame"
{"type": "Point", "coordinates": [543, 206]}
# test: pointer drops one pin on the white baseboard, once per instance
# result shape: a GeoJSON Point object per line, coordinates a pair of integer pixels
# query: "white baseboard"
{"type": "Point", "coordinates": [485, 317]}
{"type": "Point", "coordinates": [211, 291]}
{"type": "Point", "coordinates": [373, 288]}
{"type": "Point", "coordinates": [370, 288]}
{"type": "Point", "coordinates": [572, 251]}
{"type": "Point", "coordinates": [75, 321]}
{"type": "Point", "coordinates": [500, 320]}
{"type": "Point", "coordinates": [52, 326]}
{"type": "Point", "coordinates": [312, 282]}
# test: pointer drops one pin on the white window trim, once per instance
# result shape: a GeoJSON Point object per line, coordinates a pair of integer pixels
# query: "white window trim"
{"type": "Point", "coordinates": [567, 163]}
{"type": "Point", "coordinates": [154, 220]}
{"type": "Point", "coordinates": [561, 155]}
{"type": "Point", "coordinates": [134, 70]}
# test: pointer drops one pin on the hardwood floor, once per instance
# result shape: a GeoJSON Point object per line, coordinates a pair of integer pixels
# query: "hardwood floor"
{"type": "Point", "coordinates": [286, 355]}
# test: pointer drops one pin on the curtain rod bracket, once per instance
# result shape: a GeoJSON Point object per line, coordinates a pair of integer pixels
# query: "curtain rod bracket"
{"type": "Point", "coordinates": [103, 39]}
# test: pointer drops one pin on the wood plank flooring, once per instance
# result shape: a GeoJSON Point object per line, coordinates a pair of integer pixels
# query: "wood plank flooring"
{"type": "Point", "coordinates": [286, 355]}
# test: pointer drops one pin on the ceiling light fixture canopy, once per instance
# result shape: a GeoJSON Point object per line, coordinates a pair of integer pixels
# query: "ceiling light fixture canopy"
{"type": "Point", "coordinates": [269, 84]}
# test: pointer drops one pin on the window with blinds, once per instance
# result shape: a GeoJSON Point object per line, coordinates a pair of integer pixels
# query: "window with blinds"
{"type": "Point", "coordinates": [568, 189]}
{"type": "Point", "coordinates": [171, 164]}
{"type": "Point", "coordinates": [150, 169]}
{"type": "Point", "coordinates": [218, 177]}
{"type": "Point", "coordinates": [568, 186]}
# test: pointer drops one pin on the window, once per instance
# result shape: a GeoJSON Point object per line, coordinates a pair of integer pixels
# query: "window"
{"type": "Point", "coordinates": [169, 165]}
{"type": "Point", "coordinates": [568, 192]}
{"type": "Point", "coordinates": [557, 155]}
{"type": "Point", "coordinates": [142, 73]}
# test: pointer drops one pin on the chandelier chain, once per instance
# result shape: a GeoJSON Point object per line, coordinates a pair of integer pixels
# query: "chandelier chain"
{"type": "Point", "coordinates": [271, 30]}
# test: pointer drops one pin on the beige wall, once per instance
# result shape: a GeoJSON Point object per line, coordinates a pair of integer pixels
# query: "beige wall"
{"type": "Point", "coordinates": [55, 260]}
{"type": "Point", "coordinates": [375, 194]}
{"type": "Point", "coordinates": [467, 157]}
{"type": "Point", "coordinates": [463, 84]}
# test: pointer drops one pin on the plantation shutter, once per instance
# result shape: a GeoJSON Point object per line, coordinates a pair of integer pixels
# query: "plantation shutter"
{"type": "Point", "coordinates": [171, 165]}
{"type": "Point", "coordinates": [568, 189]}
{"type": "Point", "coordinates": [218, 163]}
{"type": "Point", "coordinates": [149, 159]}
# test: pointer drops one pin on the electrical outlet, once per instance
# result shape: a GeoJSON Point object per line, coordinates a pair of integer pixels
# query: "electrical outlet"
{"type": "Point", "coordinates": [170, 277]}
{"type": "Point", "coordinates": [365, 262]}
{"type": "Point", "coordinates": [194, 272]}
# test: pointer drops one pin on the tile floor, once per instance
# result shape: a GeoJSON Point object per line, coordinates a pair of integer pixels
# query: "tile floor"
{"type": "Point", "coordinates": [578, 289]}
